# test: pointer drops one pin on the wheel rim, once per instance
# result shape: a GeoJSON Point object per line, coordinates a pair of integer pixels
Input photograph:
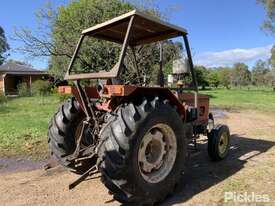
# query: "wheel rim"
{"type": "Point", "coordinates": [157, 153]}
{"type": "Point", "coordinates": [223, 143]}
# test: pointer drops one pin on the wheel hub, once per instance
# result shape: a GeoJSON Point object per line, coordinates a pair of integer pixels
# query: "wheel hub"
{"type": "Point", "coordinates": [152, 151]}
{"type": "Point", "coordinates": [223, 143]}
{"type": "Point", "coordinates": [157, 153]}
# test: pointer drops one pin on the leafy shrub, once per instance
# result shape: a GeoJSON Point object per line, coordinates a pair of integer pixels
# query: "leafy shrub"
{"type": "Point", "coordinates": [64, 97]}
{"type": "Point", "coordinates": [3, 99]}
{"type": "Point", "coordinates": [41, 88]}
{"type": "Point", "coordinates": [23, 90]}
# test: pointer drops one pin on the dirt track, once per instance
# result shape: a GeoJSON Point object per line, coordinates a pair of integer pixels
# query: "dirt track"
{"type": "Point", "coordinates": [250, 168]}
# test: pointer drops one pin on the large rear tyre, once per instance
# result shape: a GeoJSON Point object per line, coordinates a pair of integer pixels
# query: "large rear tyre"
{"type": "Point", "coordinates": [64, 129]}
{"type": "Point", "coordinates": [218, 142]}
{"type": "Point", "coordinates": [142, 153]}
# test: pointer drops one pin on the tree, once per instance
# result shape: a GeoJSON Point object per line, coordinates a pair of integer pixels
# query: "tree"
{"type": "Point", "coordinates": [272, 58]}
{"type": "Point", "coordinates": [62, 28]}
{"type": "Point", "coordinates": [4, 46]}
{"type": "Point", "coordinates": [270, 79]}
{"type": "Point", "coordinates": [269, 24]}
{"type": "Point", "coordinates": [225, 76]}
{"type": "Point", "coordinates": [12, 61]}
{"type": "Point", "coordinates": [94, 55]}
{"type": "Point", "coordinates": [241, 76]}
{"type": "Point", "coordinates": [213, 78]}
{"type": "Point", "coordinates": [259, 72]}
{"type": "Point", "coordinates": [202, 76]}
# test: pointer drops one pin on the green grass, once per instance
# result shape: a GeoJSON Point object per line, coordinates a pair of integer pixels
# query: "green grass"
{"type": "Point", "coordinates": [24, 125]}
{"type": "Point", "coordinates": [261, 100]}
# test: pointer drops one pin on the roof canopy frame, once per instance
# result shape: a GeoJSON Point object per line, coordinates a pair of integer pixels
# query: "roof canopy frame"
{"type": "Point", "coordinates": [114, 72]}
{"type": "Point", "coordinates": [131, 18]}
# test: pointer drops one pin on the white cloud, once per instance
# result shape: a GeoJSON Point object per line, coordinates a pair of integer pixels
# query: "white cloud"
{"type": "Point", "coordinates": [229, 57]}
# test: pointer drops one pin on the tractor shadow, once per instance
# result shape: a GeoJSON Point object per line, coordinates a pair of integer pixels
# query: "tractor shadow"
{"type": "Point", "coordinates": [202, 173]}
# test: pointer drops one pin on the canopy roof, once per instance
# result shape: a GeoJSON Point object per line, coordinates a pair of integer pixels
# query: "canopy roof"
{"type": "Point", "coordinates": [146, 29]}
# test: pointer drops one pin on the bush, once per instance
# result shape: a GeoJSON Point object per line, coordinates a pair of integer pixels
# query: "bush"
{"type": "Point", "coordinates": [23, 90]}
{"type": "Point", "coordinates": [3, 99]}
{"type": "Point", "coordinates": [41, 88]}
{"type": "Point", "coordinates": [64, 97]}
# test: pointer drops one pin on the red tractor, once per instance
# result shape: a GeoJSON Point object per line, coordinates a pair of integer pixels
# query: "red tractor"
{"type": "Point", "coordinates": [136, 136]}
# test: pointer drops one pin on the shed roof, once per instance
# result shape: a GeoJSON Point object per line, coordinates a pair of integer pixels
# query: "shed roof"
{"type": "Point", "coordinates": [146, 29]}
{"type": "Point", "coordinates": [15, 68]}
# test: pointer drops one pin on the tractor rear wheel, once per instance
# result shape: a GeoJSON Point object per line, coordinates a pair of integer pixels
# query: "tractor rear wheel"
{"type": "Point", "coordinates": [64, 129]}
{"type": "Point", "coordinates": [142, 153]}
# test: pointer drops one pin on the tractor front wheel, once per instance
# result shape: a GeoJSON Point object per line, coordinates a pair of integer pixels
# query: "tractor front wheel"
{"type": "Point", "coordinates": [143, 150]}
{"type": "Point", "coordinates": [218, 142]}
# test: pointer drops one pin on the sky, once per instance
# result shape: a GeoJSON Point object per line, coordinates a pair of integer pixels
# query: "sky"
{"type": "Point", "coordinates": [221, 32]}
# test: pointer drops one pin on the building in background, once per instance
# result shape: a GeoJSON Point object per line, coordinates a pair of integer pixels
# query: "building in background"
{"type": "Point", "coordinates": [12, 74]}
